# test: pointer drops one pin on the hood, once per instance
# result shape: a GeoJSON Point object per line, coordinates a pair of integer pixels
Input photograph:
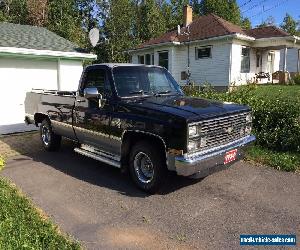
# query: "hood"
{"type": "Point", "coordinates": [191, 108]}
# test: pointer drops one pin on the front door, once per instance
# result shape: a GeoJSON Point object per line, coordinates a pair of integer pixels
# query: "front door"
{"type": "Point", "coordinates": [91, 120]}
{"type": "Point", "coordinates": [270, 65]}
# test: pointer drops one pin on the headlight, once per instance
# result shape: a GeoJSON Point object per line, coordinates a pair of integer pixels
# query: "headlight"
{"type": "Point", "coordinates": [249, 118]}
{"type": "Point", "coordinates": [192, 146]}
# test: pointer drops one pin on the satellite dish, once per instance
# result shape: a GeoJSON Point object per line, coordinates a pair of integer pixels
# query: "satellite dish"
{"type": "Point", "coordinates": [178, 29]}
{"type": "Point", "coordinates": [94, 36]}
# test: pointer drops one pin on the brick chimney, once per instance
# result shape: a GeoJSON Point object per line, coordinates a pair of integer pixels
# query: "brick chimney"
{"type": "Point", "coordinates": [187, 15]}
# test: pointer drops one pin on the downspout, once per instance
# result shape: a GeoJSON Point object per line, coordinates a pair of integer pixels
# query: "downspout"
{"type": "Point", "coordinates": [58, 74]}
{"type": "Point", "coordinates": [298, 64]}
{"type": "Point", "coordinates": [230, 65]}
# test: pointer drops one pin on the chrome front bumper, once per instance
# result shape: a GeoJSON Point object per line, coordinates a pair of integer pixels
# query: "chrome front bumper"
{"type": "Point", "coordinates": [204, 163]}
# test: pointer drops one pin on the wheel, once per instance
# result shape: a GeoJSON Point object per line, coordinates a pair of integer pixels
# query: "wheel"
{"type": "Point", "coordinates": [147, 167]}
{"type": "Point", "coordinates": [50, 141]}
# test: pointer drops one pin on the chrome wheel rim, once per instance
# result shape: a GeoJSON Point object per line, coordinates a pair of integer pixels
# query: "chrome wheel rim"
{"type": "Point", "coordinates": [143, 167]}
{"type": "Point", "coordinates": [45, 135]}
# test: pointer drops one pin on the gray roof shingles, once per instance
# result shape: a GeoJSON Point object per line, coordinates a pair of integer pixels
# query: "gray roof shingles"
{"type": "Point", "coordinates": [32, 37]}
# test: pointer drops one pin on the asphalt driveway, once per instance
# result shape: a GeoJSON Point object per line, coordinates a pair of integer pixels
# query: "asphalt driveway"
{"type": "Point", "coordinates": [99, 206]}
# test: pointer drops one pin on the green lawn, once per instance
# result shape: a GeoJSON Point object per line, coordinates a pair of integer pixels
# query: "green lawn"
{"type": "Point", "coordinates": [282, 92]}
{"type": "Point", "coordinates": [285, 161]}
{"type": "Point", "coordinates": [23, 227]}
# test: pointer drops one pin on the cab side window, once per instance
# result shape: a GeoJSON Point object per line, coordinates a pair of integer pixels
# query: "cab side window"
{"type": "Point", "coordinates": [96, 78]}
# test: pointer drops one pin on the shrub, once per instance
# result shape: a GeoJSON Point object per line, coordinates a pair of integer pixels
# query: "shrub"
{"type": "Point", "coordinates": [296, 79]}
{"type": "Point", "coordinates": [2, 162]}
{"type": "Point", "coordinates": [276, 120]}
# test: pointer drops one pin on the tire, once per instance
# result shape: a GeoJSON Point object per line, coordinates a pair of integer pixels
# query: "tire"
{"type": "Point", "coordinates": [147, 167]}
{"type": "Point", "coordinates": [50, 141]}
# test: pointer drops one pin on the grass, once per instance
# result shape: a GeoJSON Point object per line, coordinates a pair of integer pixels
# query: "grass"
{"type": "Point", "coordinates": [23, 227]}
{"type": "Point", "coordinates": [285, 161]}
{"type": "Point", "coordinates": [281, 92]}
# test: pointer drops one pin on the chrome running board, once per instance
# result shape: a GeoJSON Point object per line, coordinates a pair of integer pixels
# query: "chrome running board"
{"type": "Point", "coordinates": [98, 155]}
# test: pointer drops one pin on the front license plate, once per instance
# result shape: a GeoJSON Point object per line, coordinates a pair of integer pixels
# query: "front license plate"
{"type": "Point", "coordinates": [230, 156]}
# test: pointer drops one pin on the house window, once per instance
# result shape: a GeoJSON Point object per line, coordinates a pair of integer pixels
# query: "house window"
{"type": "Point", "coordinates": [141, 59]}
{"type": "Point", "coordinates": [148, 59]}
{"type": "Point", "coordinates": [163, 59]}
{"type": "Point", "coordinates": [245, 62]}
{"type": "Point", "coordinates": [203, 52]}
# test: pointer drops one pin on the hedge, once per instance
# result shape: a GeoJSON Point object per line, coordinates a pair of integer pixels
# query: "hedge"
{"type": "Point", "coordinates": [276, 120]}
{"type": "Point", "coordinates": [2, 162]}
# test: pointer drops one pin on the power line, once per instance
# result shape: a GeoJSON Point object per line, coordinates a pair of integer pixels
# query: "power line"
{"type": "Point", "coordinates": [245, 3]}
{"type": "Point", "coordinates": [273, 7]}
{"type": "Point", "coordinates": [254, 6]}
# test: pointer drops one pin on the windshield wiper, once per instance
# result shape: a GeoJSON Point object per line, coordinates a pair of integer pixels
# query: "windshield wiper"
{"type": "Point", "coordinates": [141, 92]}
{"type": "Point", "coordinates": [163, 93]}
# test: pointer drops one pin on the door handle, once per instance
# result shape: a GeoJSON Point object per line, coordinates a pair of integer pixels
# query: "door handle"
{"type": "Point", "coordinates": [78, 100]}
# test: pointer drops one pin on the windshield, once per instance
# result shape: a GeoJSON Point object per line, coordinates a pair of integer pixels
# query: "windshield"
{"type": "Point", "coordinates": [139, 80]}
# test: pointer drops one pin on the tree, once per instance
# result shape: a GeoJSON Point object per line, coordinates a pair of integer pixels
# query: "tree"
{"type": "Point", "coordinates": [173, 13]}
{"type": "Point", "coordinates": [246, 23]}
{"type": "Point", "coordinates": [196, 5]}
{"type": "Point", "coordinates": [289, 24]}
{"type": "Point", "coordinates": [64, 19]}
{"type": "Point", "coordinates": [119, 29]}
{"type": "Point", "coordinates": [14, 11]}
{"type": "Point", "coordinates": [270, 21]}
{"type": "Point", "coordinates": [227, 9]}
{"type": "Point", "coordinates": [151, 22]}
{"type": "Point", "coordinates": [37, 12]}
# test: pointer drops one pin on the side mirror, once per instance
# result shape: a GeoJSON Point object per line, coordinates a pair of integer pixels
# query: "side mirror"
{"type": "Point", "coordinates": [91, 93]}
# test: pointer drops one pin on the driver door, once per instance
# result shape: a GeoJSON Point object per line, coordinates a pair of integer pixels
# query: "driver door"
{"type": "Point", "coordinates": [91, 120]}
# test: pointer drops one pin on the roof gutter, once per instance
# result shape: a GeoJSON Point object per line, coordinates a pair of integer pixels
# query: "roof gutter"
{"type": "Point", "coordinates": [46, 53]}
{"type": "Point", "coordinates": [153, 45]}
{"type": "Point", "coordinates": [235, 35]}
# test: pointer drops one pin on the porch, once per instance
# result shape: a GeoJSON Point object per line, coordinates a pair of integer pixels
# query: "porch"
{"type": "Point", "coordinates": [275, 52]}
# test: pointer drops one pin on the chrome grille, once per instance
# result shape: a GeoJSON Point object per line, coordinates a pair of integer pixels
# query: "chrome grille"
{"type": "Point", "coordinates": [222, 130]}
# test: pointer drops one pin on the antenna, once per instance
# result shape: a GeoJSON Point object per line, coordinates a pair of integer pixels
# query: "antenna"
{"type": "Point", "coordinates": [94, 36]}
{"type": "Point", "coordinates": [178, 29]}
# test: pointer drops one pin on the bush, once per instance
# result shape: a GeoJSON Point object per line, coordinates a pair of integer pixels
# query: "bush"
{"type": "Point", "coordinates": [276, 120]}
{"type": "Point", "coordinates": [296, 79]}
{"type": "Point", "coordinates": [2, 162]}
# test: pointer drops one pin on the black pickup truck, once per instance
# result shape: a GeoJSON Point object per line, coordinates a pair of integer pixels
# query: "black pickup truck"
{"type": "Point", "coordinates": [136, 117]}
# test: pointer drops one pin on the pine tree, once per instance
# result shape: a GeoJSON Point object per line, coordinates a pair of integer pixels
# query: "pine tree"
{"type": "Point", "coordinates": [151, 22]}
{"type": "Point", "coordinates": [14, 11]}
{"type": "Point", "coordinates": [289, 24]}
{"type": "Point", "coordinates": [64, 19]}
{"type": "Point", "coordinates": [119, 30]}
{"type": "Point", "coordinates": [227, 9]}
{"type": "Point", "coordinates": [246, 23]}
{"type": "Point", "coordinates": [173, 13]}
{"type": "Point", "coordinates": [270, 21]}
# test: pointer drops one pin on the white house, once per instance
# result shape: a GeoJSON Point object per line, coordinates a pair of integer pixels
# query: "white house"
{"type": "Point", "coordinates": [33, 57]}
{"type": "Point", "coordinates": [213, 50]}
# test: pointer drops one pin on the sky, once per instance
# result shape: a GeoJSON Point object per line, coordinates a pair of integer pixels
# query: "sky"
{"type": "Point", "coordinates": [276, 8]}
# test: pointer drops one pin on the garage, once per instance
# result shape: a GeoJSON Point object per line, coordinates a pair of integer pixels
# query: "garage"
{"type": "Point", "coordinates": [33, 57]}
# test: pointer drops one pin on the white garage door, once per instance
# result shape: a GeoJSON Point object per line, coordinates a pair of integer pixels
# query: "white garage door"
{"type": "Point", "coordinates": [17, 76]}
